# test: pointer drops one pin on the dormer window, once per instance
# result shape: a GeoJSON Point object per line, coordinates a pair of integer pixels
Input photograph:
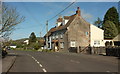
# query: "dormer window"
{"type": "Point", "coordinates": [61, 35]}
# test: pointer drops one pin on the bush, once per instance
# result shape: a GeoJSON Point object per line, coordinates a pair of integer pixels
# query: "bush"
{"type": "Point", "coordinates": [36, 46]}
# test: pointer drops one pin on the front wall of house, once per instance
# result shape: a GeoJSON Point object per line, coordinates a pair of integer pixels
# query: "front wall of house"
{"type": "Point", "coordinates": [97, 36]}
{"type": "Point", "coordinates": [61, 40]}
{"type": "Point", "coordinates": [78, 33]}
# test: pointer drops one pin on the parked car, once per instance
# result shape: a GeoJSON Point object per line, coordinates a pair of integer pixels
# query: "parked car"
{"type": "Point", "coordinates": [4, 52]}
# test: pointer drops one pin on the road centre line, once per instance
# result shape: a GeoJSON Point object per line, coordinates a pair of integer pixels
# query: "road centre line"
{"type": "Point", "coordinates": [37, 62]}
{"type": "Point", "coordinates": [40, 65]}
{"type": "Point", "coordinates": [107, 71]}
{"type": "Point", "coordinates": [74, 61]}
{"type": "Point", "coordinates": [44, 70]}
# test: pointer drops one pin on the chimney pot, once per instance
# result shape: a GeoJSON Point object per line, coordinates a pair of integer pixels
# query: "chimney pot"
{"type": "Point", "coordinates": [78, 11]}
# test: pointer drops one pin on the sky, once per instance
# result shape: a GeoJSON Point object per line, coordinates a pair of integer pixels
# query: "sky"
{"type": "Point", "coordinates": [37, 13]}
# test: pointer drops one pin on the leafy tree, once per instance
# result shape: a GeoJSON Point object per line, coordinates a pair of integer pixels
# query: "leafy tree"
{"type": "Point", "coordinates": [113, 16]}
{"type": "Point", "coordinates": [10, 19]}
{"type": "Point", "coordinates": [98, 23]}
{"type": "Point", "coordinates": [32, 38]}
{"type": "Point", "coordinates": [110, 30]}
{"type": "Point", "coordinates": [36, 46]}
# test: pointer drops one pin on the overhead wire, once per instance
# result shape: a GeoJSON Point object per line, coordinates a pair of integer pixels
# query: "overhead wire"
{"type": "Point", "coordinates": [42, 29]}
{"type": "Point", "coordinates": [62, 10]}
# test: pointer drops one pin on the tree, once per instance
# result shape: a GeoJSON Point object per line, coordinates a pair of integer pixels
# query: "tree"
{"type": "Point", "coordinates": [110, 30]}
{"type": "Point", "coordinates": [32, 38]}
{"type": "Point", "coordinates": [98, 23]}
{"type": "Point", "coordinates": [36, 46]}
{"type": "Point", "coordinates": [113, 16]}
{"type": "Point", "coordinates": [10, 19]}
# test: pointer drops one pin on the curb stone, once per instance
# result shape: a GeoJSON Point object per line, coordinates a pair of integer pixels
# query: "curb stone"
{"type": "Point", "coordinates": [9, 65]}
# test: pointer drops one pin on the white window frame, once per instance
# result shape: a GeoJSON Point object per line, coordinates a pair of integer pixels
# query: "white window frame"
{"type": "Point", "coordinates": [53, 37]}
{"type": "Point", "coordinates": [61, 35]}
{"type": "Point", "coordinates": [97, 42]}
{"type": "Point", "coordinates": [56, 36]}
{"type": "Point", "coordinates": [73, 44]}
{"type": "Point", "coordinates": [62, 45]}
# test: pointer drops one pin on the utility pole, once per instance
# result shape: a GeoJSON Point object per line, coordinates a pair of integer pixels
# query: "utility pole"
{"type": "Point", "coordinates": [47, 34]}
{"type": "Point", "coordinates": [40, 34]}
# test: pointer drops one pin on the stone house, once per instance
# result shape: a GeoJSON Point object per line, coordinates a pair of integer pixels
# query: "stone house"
{"type": "Point", "coordinates": [71, 32]}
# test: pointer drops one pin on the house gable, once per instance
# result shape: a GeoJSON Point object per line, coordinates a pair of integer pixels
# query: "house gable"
{"type": "Point", "coordinates": [79, 31]}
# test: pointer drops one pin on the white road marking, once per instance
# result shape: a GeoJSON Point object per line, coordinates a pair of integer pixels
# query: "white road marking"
{"type": "Point", "coordinates": [107, 71]}
{"type": "Point", "coordinates": [37, 62]}
{"type": "Point", "coordinates": [74, 61]}
{"type": "Point", "coordinates": [40, 65]}
{"type": "Point", "coordinates": [44, 70]}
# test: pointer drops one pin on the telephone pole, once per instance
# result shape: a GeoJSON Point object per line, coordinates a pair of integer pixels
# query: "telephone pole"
{"type": "Point", "coordinates": [47, 34]}
{"type": "Point", "coordinates": [40, 34]}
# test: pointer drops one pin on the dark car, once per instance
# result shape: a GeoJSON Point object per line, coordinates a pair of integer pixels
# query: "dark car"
{"type": "Point", "coordinates": [4, 52]}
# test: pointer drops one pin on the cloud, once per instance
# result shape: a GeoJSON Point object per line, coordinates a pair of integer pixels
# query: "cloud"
{"type": "Point", "coordinates": [86, 15]}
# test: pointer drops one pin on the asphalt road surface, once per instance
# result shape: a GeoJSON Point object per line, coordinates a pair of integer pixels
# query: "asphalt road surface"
{"type": "Point", "coordinates": [32, 61]}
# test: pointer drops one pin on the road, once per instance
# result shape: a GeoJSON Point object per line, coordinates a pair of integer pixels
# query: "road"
{"type": "Point", "coordinates": [32, 61]}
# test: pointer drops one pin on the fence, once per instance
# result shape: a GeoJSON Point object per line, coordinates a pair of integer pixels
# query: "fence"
{"type": "Point", "coordinates": [99, 50]}
{"type": "Point", "coordinates": [113, 51]}
{"type": "Point", "coordinates": [109, 51]}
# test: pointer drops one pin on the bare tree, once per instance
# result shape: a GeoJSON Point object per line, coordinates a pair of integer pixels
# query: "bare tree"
{"type": "Point", "coordinates": [10, 19]}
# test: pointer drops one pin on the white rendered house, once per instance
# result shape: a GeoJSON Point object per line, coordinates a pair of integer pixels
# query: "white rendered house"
{"type": "Point", "coordinates": [96, 36]}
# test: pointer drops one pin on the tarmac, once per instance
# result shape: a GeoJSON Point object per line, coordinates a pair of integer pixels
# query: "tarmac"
{"type": "Point", "coordinates": [7, 62]}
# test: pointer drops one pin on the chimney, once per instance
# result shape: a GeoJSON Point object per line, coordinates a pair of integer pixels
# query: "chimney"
{"type": "Point", "coordinates": [78, 11]}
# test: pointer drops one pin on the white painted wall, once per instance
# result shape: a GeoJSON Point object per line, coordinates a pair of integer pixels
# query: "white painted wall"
{"type": "Point", "coordinates": [97, 35]}
{"type": "Point", "coordinates": [13, 46]}
{"type": "Point", "coordinates": [26, 41]}
{"type": "Point", "coordinates": [50, 40]}
{"type": "Point", "coordinates": [65, 21]}
{"type": "Point", "coordinates": [58, 24]}
{"type": "Point", "coordinates": [108, 40]}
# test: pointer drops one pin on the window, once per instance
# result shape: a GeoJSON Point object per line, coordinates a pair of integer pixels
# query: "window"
{"type": "Point", "coordinates": [56, 35]}
{"type": "Point", "coordinates": [61, 35]}
{"type": "Point", "coordinates": [72, 43]}
{"type": "Point", "coordinates": [96, 42]}
{"type": "Point", "coordinates": [62, 45]}
{"type": "Point", "coordinates": [86, 33]}
{"type": "Point", "coordinates": [53, 37]}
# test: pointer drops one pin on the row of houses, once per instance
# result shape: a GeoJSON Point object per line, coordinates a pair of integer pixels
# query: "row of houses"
{"type": "Point", "coordinates": [74, 32]}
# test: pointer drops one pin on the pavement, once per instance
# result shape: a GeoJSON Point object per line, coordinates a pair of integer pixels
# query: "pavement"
{"type": "Point", "coordinates": [32, 61]}
{"type": "Point", "coordinates": [8, 61]}
{"type": "Point", "coordinates": [0, 64]}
